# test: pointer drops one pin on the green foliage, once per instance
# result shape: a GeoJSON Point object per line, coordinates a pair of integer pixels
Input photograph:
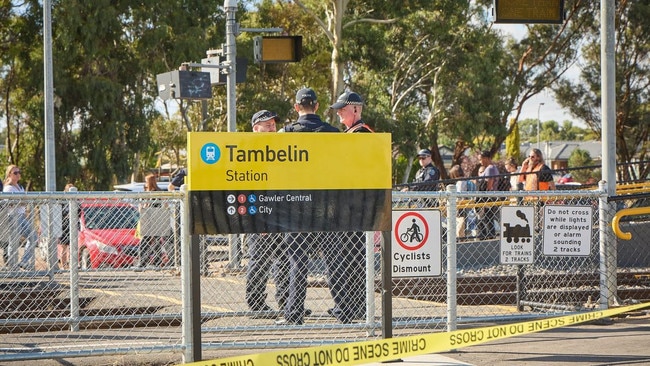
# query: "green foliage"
{"type": "Point", "coordinates": [581, 158]}
{"type": "Point", "coordinates": [512, 143]}
{"type": "Point", "coordinates": [632, 74]}
{"type": "Point", "coordinates": [432, 72]}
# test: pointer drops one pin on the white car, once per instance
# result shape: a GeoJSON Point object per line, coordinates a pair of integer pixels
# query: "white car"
{"type": "Point", "coordinates": [138, 186]}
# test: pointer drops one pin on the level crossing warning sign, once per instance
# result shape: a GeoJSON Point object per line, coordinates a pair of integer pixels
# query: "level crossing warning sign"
{"type": "Point", "coordinates": [568, 230]}
{"type": "Point", "coordinates": [416, 244]}
{"type": "Point", "coordinates": [517, 235]}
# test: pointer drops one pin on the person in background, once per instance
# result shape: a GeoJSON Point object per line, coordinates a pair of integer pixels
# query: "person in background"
{"type": "Point", "coordinates": [428, 173]}
{"type": "Point", "coordinates": [512, 168]}
{"type": "Point", "coordinates": [298, 244]}
{"type": "Point", "coordinates": [462, 185]}
{"type": "Point", "coordinates": [177, 180]}
{"type": "Point", "coordinates": [64, 241]}
{"type": "Point", "coordinates": [536, 175]}
{"type": "Point", "coordinates": [489, 182]}
{"type": "Point", "coordinates": [265, 250]}
{"type": "Point", "coordinates": [148, 244]}
{"type": "Point", "coordinates": [19, 213]}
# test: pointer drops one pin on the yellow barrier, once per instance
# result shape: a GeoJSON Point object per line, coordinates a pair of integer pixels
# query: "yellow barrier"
{"type": "Point", "coordinates": [627, 212]}
{"type": "Point", "coordinates": [359, 353]}
{"type": "Point", "coordinates": [629, 188]}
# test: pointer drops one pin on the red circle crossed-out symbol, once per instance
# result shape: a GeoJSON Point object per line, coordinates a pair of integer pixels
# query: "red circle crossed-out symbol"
{"type": "Point", "coordinates": [419, 244]}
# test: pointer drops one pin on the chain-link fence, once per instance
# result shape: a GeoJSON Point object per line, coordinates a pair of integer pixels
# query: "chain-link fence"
{"type": "Point", "coordinates": [108, 294]}
{"type": "Point", "coordinates": [503, 256]}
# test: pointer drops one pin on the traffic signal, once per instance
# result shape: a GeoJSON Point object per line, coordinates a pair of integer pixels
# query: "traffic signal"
{"type": "Point", "coordinates": [217, 77]}
{"type": "Point", "coordinates": [277, 49]}
{"type": "Point", "coordinates": [183, 84]}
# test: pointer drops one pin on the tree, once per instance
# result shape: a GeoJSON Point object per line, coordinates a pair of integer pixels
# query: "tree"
{"type": "Point", "coordinates": [581, 158]}
{"type": "Point", "coordinates": [106, 55]}
{"type": "Point", "coordinates": [582, 97]}
{"type": "Point", "coordinates": [512, 144]}
{"type": "Point", "coordinates": [536, 62]}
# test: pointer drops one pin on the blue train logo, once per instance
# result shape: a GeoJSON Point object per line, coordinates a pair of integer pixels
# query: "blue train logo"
{"type": "Point", "coordinates": [210, 153]}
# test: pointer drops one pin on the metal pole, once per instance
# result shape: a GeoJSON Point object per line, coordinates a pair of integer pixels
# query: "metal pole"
{"type": "Point", "coordinates": [386, 287]}
{"type": "Point", "coordinates": [73, 220]}
{"type": "Point", "coordinates": [50, 166]}
{"type": "Point", "coordinates": [370, 282]}
{"type": "Point", "coordinates": [608, 136]}
{"type": "Point", "coordinates": [231, 55]}
{"type": "Point", "coordinates": [50, 163]}
{"type": "Point", "coordinates": [452, 314]}
{"type": "Point", "coordinates": [539, 128]}
{"type": "Point", "coordinates": [190, 285]}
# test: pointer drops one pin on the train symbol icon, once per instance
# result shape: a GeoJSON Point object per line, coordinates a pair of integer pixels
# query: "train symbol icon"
{"type": "Point", "coordinates": [210, 153]}
{"type": "Point", "coordinates": [517, 233]}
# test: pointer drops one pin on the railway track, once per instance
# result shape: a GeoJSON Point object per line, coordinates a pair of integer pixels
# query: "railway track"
{"type": "Point", "coordinates": [565, 289]}
{"type": "Point", "coordinates": [36, 308]}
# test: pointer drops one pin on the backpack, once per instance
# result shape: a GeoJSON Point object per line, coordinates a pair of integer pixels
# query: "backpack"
{"type": "Point", "coordinates": [299, 127]}
{"type": "Point", "coordinates": [471, 186]}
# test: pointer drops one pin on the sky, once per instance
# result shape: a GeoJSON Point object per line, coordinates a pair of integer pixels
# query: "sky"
{"type": "Point", "coordinates": [551, 110]}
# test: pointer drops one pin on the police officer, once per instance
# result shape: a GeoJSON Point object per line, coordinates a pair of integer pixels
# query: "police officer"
{"type": "Point", "coordinates": [349, 106]}
{"type": "Point", "coordinates": [297, 244]}
{"type": "Point", "coordinates": [428, 173]}
{"type": "Point", "coordinates": [264, 250]}
{"type": "Point", "coordinates": [346, 257]}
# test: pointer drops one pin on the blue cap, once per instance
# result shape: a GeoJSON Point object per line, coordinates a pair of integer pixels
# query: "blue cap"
{"type": "Point", "coordinates": [424, 152]}
{"type": "Point", "coordinates": [347, 98]}
{"type": "Point", "coordinates": [262, 116]}
{"type": "Point", "coordinates": [306, 96]}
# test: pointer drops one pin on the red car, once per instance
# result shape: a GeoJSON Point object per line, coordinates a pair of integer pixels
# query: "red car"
{"type": "Point", "coordinates": [107, 235]}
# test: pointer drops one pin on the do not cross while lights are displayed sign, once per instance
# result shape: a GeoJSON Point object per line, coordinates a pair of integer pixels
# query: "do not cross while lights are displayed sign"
{"type": "Point", "coordinates": [416, 244]}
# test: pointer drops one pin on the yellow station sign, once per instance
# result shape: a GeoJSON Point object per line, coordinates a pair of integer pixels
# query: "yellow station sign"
{"type": "Point", "coordinates": [226, 161]}
{"type": "Point", "coordinates": [289, 182]}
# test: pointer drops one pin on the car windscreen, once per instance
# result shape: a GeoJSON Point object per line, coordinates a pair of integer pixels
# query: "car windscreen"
{"type": "Point", "coordinates": [111, 217]}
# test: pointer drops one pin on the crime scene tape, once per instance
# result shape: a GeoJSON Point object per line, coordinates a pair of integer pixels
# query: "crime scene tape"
{"type": "Point", "coordinates": [359, 353]}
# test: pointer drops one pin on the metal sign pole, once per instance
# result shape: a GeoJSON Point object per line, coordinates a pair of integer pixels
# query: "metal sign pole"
{"type": "Point", "coordinates": [231, 51]}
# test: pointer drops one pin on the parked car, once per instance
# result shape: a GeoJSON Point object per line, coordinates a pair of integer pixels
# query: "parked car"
{"type": "Point", "coordinates": [138, 186]}
{"type": "Point", "coordinates": [107, 235]}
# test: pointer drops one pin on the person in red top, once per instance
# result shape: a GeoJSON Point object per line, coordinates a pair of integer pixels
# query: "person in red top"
{"type": "Point", "coordinates": [538, 176]}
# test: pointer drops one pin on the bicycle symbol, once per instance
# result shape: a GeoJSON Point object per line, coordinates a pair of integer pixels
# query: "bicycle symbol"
{"type": "Point", "coordinates": [412, 234]}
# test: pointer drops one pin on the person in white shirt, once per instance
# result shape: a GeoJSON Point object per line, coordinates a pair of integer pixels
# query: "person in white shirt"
{"type": "Point", "coordinates": [19, 213]}
{"type": "Point", "coordinates": [511, 167]}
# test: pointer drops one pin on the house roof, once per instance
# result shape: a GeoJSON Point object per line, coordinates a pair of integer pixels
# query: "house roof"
{"type": "Point", "coordinates": [561, 150]}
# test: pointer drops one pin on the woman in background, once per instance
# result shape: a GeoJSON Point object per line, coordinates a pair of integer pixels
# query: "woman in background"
{"type": "Point", "coordinates": [64, 242]}
{"type": "Point", "coordinates": [511, 167]}
{"type": "Point", "coordinates": [19, 213]}
{"type": "Point", "coordinates": [466, 219]}
{"type": "Point", "coordinates": [148, 244]}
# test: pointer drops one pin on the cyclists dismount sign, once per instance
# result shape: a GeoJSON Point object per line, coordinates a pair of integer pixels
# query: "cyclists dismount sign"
{"type": "Point", "coordinates": [416, 243]}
